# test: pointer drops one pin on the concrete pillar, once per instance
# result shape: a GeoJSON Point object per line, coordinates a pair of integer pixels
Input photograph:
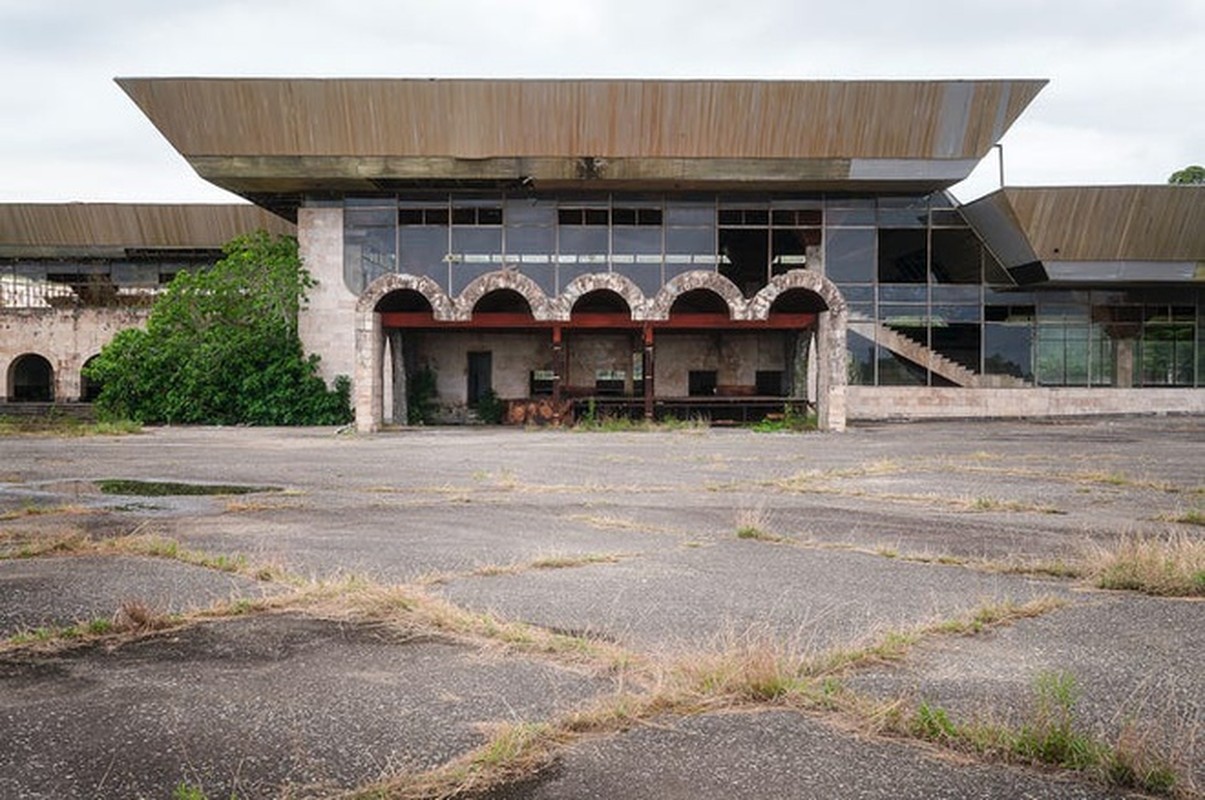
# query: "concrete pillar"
{"type": "Point", "coordinates": [1123, 363]}
{"type": "Point", "coordinates": [830, 372]}
{"type": "Point", "coordinates": [801, 366]}
{"type": "Point", "coordinates": [397, 362]}
{"type": "Point", "coordinates": [327, 324]}
{"type": "Point", "coordinates": [367, 388]}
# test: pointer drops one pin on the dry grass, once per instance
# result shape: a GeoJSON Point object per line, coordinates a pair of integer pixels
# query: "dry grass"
{"type": "Point", "coordinates": [558, 561]}
{"type": "Point", "coordinates": [31, 510]}
{"type": "Point", "coordinates": [753, 522]}
{"type": "Point", "coordinates": [609, 522]}
{"type": "Point", "coordinates": [1171, 565]}
{"type": "Point", "coordinates": [751, 670]}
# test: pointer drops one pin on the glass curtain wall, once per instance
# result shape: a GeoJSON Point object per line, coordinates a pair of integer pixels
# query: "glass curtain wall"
{"type": "Point", "coordinates": [915, 277]}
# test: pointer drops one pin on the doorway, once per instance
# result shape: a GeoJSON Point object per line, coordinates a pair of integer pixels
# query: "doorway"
{"type": "Point", "coordinates": [481, 378]}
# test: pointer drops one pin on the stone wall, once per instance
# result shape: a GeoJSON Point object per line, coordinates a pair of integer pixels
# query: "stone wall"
{"type": "Point", "coordinates": [327, 324]}
{"type": "Point", "coordinates": [912, 402]}
{"type": "Point", "coordinates": [66, 338]}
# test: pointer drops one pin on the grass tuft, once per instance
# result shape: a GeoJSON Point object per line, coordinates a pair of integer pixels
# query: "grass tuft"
{"type": "Point", "coordinates": [1172, 565]}
{"type": "Point", "coordinates": [1049, 736]}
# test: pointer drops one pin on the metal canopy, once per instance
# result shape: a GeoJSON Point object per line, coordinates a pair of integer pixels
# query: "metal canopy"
{"type": "Point", "coordinates": [277, 139]}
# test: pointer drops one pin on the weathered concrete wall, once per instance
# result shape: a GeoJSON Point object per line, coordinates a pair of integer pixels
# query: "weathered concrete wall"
{"type": "Point", "coordinates": [903, 402]}
{"type": "Point", "coordinates": [735, 356]}
{"type": "Point", "coordinates": [328, 324]}
{"type": "Point", "coordinates": [514, 355]}
{"type": "Point", "coordinates": [65, 337]}
{"type": "Point", "coordinates": [590, 351]}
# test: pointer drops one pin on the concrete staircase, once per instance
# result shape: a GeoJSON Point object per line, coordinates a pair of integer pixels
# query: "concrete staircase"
{"type": "Point", "coordinates": [935, 362]}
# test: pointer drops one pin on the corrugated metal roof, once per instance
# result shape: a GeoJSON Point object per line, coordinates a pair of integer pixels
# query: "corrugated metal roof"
{"type": "Point", "coordinates": [1112, 223]}
{"type": "Point", "coordinates": [576, 118]}
{"type": "Point", "coordinates": [273, 140]}
{"type": "Point", "coordinates": [44, 227]}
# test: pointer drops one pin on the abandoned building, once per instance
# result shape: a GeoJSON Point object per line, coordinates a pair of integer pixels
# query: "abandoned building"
{"type": "Point", "coordinates": [711, 248]}
{"type": "Point", "coordinates": [73, 275]}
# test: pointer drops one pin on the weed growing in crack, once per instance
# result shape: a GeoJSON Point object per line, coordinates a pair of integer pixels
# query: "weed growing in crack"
{"type": "Point", "coordinates": [1172, 565]}
{"type": "Point", "coordinates": [1049, 736]}
{"type": "Point", "coordinates": [753, 522]}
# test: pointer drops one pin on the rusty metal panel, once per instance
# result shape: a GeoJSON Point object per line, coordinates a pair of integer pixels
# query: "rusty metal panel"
{"type": "Point", "coordinates": [581, 118]}
{"type": "Point", "coordinates": [34, 226]}
{"type": "Point", "coordinates": [1112, 223]}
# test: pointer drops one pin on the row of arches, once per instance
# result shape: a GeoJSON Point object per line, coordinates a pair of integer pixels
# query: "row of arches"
{"type": "Point", "coordinates": [798, 291]}
{"type": "Point", "coordinates": [401, 317]}
{"type": "Point", "coordinates": [30, 378]}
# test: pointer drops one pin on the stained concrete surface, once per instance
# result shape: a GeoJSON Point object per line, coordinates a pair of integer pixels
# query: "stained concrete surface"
{"type": "Point", "coordinates": [251, 705]}
{"type": "Point", "coordinates": [777, 754]}
{"type": "Point", "coordinates": [441, 503]}
{"type": "Point", "coordinates": [59, 591]}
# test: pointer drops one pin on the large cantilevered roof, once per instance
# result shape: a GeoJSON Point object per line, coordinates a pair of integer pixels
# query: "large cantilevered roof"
{"type": "Point", "coordinates": [260, 137]}
{"type": "Point", "coordinates": [1098, 234]}
{"type": "Point", "coordinates": [108, 230]}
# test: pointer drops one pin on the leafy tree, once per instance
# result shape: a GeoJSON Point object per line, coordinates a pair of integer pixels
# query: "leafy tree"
{"type": "Point", "coordinates": [1190, 174]}
{"type": "Point", "coordinates": [221, 347]}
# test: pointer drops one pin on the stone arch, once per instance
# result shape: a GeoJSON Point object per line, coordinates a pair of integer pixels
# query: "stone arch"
{"type": "Point", "coordinates": [88, 390]}
{"type": "Point", "coordinates": [31, 379]}
{"type": "Point", "coordinates": [541, 307]}
{"type": "Point", "coordinates": [441, 304]}
{"type": "Point", "coordinates": [759, 304]}
{"type": "Point", "coordinates": [830, 334]}
{"type": "Point", "coordinates": [697, 279]}
{"type": "Point", "coordinates": [611, 281]}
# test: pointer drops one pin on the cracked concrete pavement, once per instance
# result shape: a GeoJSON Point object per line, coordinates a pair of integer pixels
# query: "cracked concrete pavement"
{"type": "Point", "coordinates": [267, 703]}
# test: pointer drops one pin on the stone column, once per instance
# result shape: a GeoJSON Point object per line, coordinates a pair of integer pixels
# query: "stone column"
{"type": "Point", "coordinates": [397, 364]}
{"type": "Point", "coordinates": [327, 323]}
{"type": "Point", "coordinates": [1123, 363]}
{"type": "Point", "coordinates": [367, 388]}
{"type": "Point", "coordinates": [830, 371]}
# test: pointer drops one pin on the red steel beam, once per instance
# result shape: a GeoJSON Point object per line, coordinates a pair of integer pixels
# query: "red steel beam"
{"type": "Point", "coordinates": [593, 321]}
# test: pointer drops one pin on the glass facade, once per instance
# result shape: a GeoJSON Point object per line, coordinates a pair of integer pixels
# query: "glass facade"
{"type": "Point", "coordinates": [929, 304]}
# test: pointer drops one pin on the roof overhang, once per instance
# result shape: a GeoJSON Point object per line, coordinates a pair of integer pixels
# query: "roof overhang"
{"type": "Point", "coordinates": [126, 230]}
{"type": "Point", "coordinates": [1096, 235]}
{"type": "Point", "coordinates": [286, 137]}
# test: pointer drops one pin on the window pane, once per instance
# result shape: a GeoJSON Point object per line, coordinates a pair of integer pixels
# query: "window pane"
{"type": "Point", "coordinates": [903, 256]}
{"type": "Point", "coordinates": [690, 214]}
{"type": "Point", "coordinates": [584, 241]}
{"type": "Point", "coordinates": [955, 257]}
{"type": "Point", "coordinates": [849, 255]}
{"type": "Point", "coordinates": [531, 241]}
{"type": "Point", "coordinates": [424, 250]}
{"type": "Point", "coordinates": [521, 211]}
{"type": "Point", "coordinates": [636, 240]}
{"type": "Point", "coordinates": [860, 344]}
{"type": "Point", "coordinates": [476, 242]}
{"type": "Point", "coordinates": [1006, 350]}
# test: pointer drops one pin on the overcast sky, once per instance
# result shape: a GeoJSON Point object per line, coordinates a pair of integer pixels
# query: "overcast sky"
{"type": "Point", "coordinates": [1125, 104]}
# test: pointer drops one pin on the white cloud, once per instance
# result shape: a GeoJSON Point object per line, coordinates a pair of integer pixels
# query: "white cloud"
{"type": "Point", "coordinates": [1123, 104]}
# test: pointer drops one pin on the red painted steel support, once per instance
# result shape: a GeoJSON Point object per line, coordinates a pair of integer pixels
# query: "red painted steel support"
{"type": "Point", "coordinates": [558, 367]}
{"type": "Point", "coordinates": [647, 368]}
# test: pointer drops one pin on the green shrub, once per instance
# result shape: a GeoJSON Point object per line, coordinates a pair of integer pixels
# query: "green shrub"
{"type": "Point", "coordinates": [221, 347]}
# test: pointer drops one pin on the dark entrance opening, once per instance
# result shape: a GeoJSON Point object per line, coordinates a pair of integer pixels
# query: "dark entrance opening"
{"type": "Point", "coordinates": [481, 379]}
{"type": "Point", "coordinates": [89, 390]}
{"type": "Point", "coordinates": [31, 380]}
{"type": "Point", "coordinates": [701, 382]}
